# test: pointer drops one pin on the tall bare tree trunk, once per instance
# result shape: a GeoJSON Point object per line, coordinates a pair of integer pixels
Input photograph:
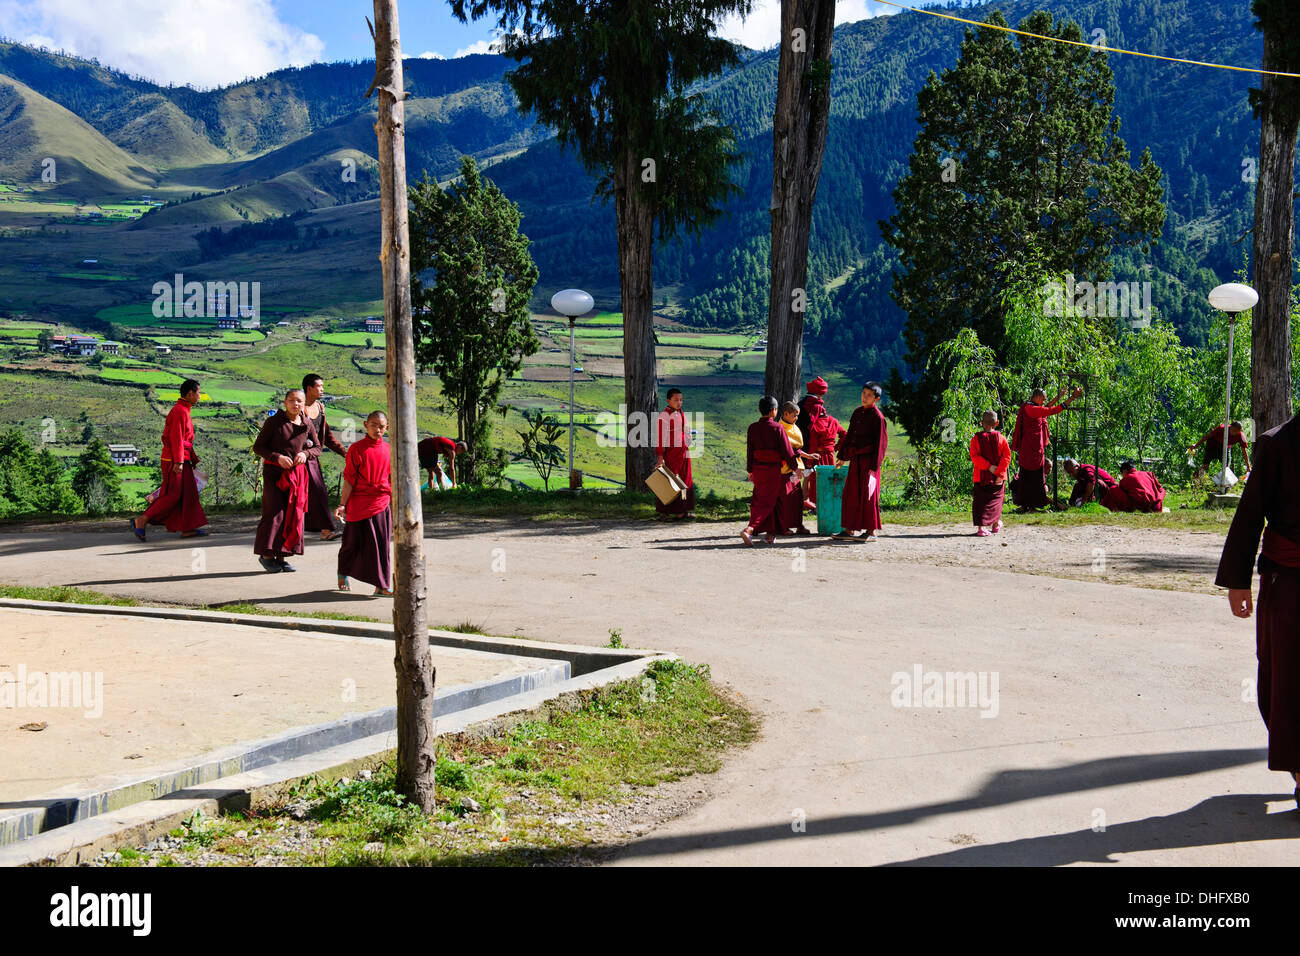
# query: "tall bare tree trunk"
{"type": "Point", "coordinates": [803, 101]}
{"type": "Point", "coordinates": [415, 671]}
{"type": "Point", "coordinates": [1274, 246]}
{"type": "Point", "coordinates": [635, 219]}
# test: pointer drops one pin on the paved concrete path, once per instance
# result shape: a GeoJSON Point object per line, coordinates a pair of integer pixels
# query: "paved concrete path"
{"type": "Point", "coordinates": [1122, 727]}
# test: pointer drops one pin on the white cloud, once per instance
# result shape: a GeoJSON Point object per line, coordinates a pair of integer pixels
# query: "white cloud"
{"type": "Point", "coordinates": [762, 28]}
{"type": "Point", "coordinates": [203, 43]}
{"type": "Point", "coordinates": [482, 46]}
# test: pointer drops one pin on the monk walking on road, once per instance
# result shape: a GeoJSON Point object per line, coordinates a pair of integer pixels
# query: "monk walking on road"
{"type": "Point", "coordinates": [1271, 503]}
{"type": "Point", "coordinates": [177, 506]}
{"type": "Point", "coordinates": [285, 444]}
{"type": "Point", "coordinates": [366, 552]}
{"type": "Point", "coordinates": [863, 448]}
{"type": "Point", "coordinates": [672, 451]}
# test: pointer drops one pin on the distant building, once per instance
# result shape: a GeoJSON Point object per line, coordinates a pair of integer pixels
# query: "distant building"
{"type": "Point", "coordinates": [58, 343]}
{"type": "Point", "coordinates": [373, 324]}
{"type": "Point", "coordinates": [82, 345]}
{"type": "Point", "coordinates": [163, 349]}
{"type": "Point", "coordinates": [227, 323]}
{"type": "Point", "coordinates": [111, 348]}
{"type": "Point", "coordinates": [282, 324]}
{"type": "Point", "coordinates": [124, 454]}
{"type": "Point", "coordinates": [248, 319]}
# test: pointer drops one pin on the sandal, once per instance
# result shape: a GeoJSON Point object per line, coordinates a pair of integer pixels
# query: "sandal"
{"type": "Point", "coordinates": [747, 537]}
{"type": "Point", "coordinates": [330, 535]}
{"type": "Point", "coordinates": [196, 533]}
{"type": "Point", "coordinates": [343, 583]}
{"type": "Point", "coordinates": [137, 531]}
{"type": "Point", "coordinates": [383, 592]}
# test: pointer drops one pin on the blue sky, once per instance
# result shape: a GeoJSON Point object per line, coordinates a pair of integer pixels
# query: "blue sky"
{"type": "Point", "coordinates": [207, 43]}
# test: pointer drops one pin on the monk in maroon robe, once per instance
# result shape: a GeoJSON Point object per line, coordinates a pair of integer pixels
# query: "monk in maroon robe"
{"type": "Point", "coordinates": [672, 451]}
{"type": "Point", "coordinates": [1029, 440]}
{"type": "Point", "coordinates": [285, 444]}
{"type": "Point", "coordinates": [1136, 491]}
{"type": "Point", "coordinates": [1213, 442]}
{"type": "Point", "coordinates": [1272, 496]}
{"type": "Point", "coordinates": [767, 447]}
{"type": "Point", "coordinates": [177, 506]}
{"type": "Point", "coordinates": [366, 552]}
{"type": "Point", "coordinates": [863, 449]}
{"type": "Point", "coordinates": [319, 517]}
{"type": "Point", "coordinates": [821, 432]}
{"type": "Point", "coordinates": [1090, 482]}
{"type": "Point", "coordinates": [991, 456]}
{"type": "Point", "coordinates": [428, 451]}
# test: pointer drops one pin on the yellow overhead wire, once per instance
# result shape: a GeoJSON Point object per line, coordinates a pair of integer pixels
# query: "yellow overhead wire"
{"type": "Point", "coordinates": [1091, 46]}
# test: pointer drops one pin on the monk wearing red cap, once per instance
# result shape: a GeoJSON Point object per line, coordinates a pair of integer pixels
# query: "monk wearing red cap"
{"type": "Point", "coordinates": [820, 431]}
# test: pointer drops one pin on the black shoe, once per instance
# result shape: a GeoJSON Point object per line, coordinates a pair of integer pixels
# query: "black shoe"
{"type": "Point", "coordinates": [269, 565]}
{"type": "Point", "coordinates": [286, 566]}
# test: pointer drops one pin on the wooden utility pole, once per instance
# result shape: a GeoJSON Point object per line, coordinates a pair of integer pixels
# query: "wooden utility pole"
{"type": "Point", "coordinates": [1277, 103]}
{"type": "Point", "coordinates": [415, 671]}
{"type": "Point", "coordinates": [803, 102]}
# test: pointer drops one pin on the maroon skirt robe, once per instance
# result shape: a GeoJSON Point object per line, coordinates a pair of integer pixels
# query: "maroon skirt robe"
{"type": "Point", "coordinates": [366, 551]}
{"type": "Point", "coordinates": [863, 446]}
{"type": "Point", "coordinates": [318, 517]}
{"type": "Point", "coordinates": [177, 508]}
{"type": "Point", "coordinates": [1031, 489]}
{"type": "Point", "coordinates": [986, 509]}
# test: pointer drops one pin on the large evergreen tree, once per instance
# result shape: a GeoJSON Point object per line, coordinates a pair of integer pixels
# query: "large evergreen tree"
{"type": "Point", "coordinates": [471, 282]}
{"type": "Point", "coordinates": [1277, 104]}
{"type": "Point", "coordinates": [611, 77]}
{"type": "Point", "coordinates": [95, 479]}
{"type": "Point", "coordinates": [1018, 161]}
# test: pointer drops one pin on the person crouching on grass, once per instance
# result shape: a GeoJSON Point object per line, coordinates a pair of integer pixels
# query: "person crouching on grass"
{"type": "Point", "coordinates": [285, 443]}
{"type": "Point", "coordinates": [367, 494]}
{"type": "Point", "coordinates": [991, 456]}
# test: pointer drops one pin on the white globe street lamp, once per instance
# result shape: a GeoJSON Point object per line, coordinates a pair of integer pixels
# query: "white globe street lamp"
{"type": "Point", "coordinates": [571, 303]}
{"type": "Point", "coordinates": [1232, 298]}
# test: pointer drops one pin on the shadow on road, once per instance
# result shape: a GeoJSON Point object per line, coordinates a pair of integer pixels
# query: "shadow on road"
{"type": "Point", "coordinates": [1225, 819]}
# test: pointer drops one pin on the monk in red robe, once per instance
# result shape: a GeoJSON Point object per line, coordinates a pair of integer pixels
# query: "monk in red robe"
{"type": "Point", "coordinates": [285, 444]}
{"type": "Point", "coordinates": [1272, 496]}
{"type": "Point", "coordinates": [1090, 482]}
{"type": "Point", "coordinates": [672, 451]}
{"type": "Point", "coordinates": [177, 506]}
{"type": "Point", "coordinates": [1136, 491]}
{"type": "Point", "coordinates": [319, 517]}
{"type": "Point", "coordinates": [821, 432]}
{"type": "Point", "coordinates": [428, 452]}
{"type": "Point", "coordinates": [1029, 440]}
{"type": "Point", "coordinates": [863, 449]}
{"type": "Point", "coordinates": [366, 552]}
{"type": "Point", "coordinates": [991, 456]}
{"type": "Point", "coordinates": [1213, 442]}
{"type": "Point", "coordinates": [767, 447]}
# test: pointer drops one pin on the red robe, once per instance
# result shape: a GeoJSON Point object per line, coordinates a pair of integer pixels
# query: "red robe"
{"type": "Point", "coordinates": [1272, 494]}
{"type": "Point", "coordinates": [1136, 491]}
{"type": "Point", "coordinates": [671, 440]}
{"type": "Point", "coordinates": [991, 456]}
{"type": "Point", "coordinates": [177, 507]}
{"type": "Point", "coordinates": [367, 470]}
{"type": "Point", "coordinates": [366, 551]}
{"type": "Point", "coordinates": [863, 447]}
{"type": "Point", "coordinates": [767, 447]}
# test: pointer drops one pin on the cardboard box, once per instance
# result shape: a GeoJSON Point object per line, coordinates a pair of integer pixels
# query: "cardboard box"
{"type": "Point", "coordinates": [666, 486]}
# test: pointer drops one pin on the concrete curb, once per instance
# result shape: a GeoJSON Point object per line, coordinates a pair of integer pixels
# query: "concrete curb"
{"type": "Point", "coordinates": [85, 840]}
{"type": "Point", "coordinates": [582, 658]}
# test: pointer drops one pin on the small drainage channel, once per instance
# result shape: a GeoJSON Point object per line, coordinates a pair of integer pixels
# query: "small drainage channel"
{"type": "Point", "coordinates": [557, 664]}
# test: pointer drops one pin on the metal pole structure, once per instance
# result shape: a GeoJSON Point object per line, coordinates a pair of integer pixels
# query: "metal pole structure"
{"type": "Point", "coordinates": [1227, 422]}
{"type": "Point", "coordinates": [572, 320]}
{"type": "Point", "coordinates": [412, 662]}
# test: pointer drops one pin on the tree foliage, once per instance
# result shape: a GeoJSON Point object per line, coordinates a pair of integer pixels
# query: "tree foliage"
{"type": "Point", "coordinates": [471, 282]}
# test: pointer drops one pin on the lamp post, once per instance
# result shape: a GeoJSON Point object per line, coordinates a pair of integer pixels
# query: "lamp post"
{"type": "Point", "coordinates": [1232, 298]}
{"type": "Point", "coordinates": [571, 303]}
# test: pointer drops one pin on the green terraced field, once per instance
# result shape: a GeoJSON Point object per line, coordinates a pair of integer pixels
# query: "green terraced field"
{"type": "Point", "coordinates": [142, 376]}
{"type": "Point", "coordinates": [350, 338]}
{"type": "Point", "coordinates": [707, 340]}
{"type": "Point", "coordinates": [94, 276]}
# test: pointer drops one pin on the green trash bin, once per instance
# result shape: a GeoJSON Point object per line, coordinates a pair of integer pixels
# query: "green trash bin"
{"type": "Point", "coordinates": [830, 498]}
